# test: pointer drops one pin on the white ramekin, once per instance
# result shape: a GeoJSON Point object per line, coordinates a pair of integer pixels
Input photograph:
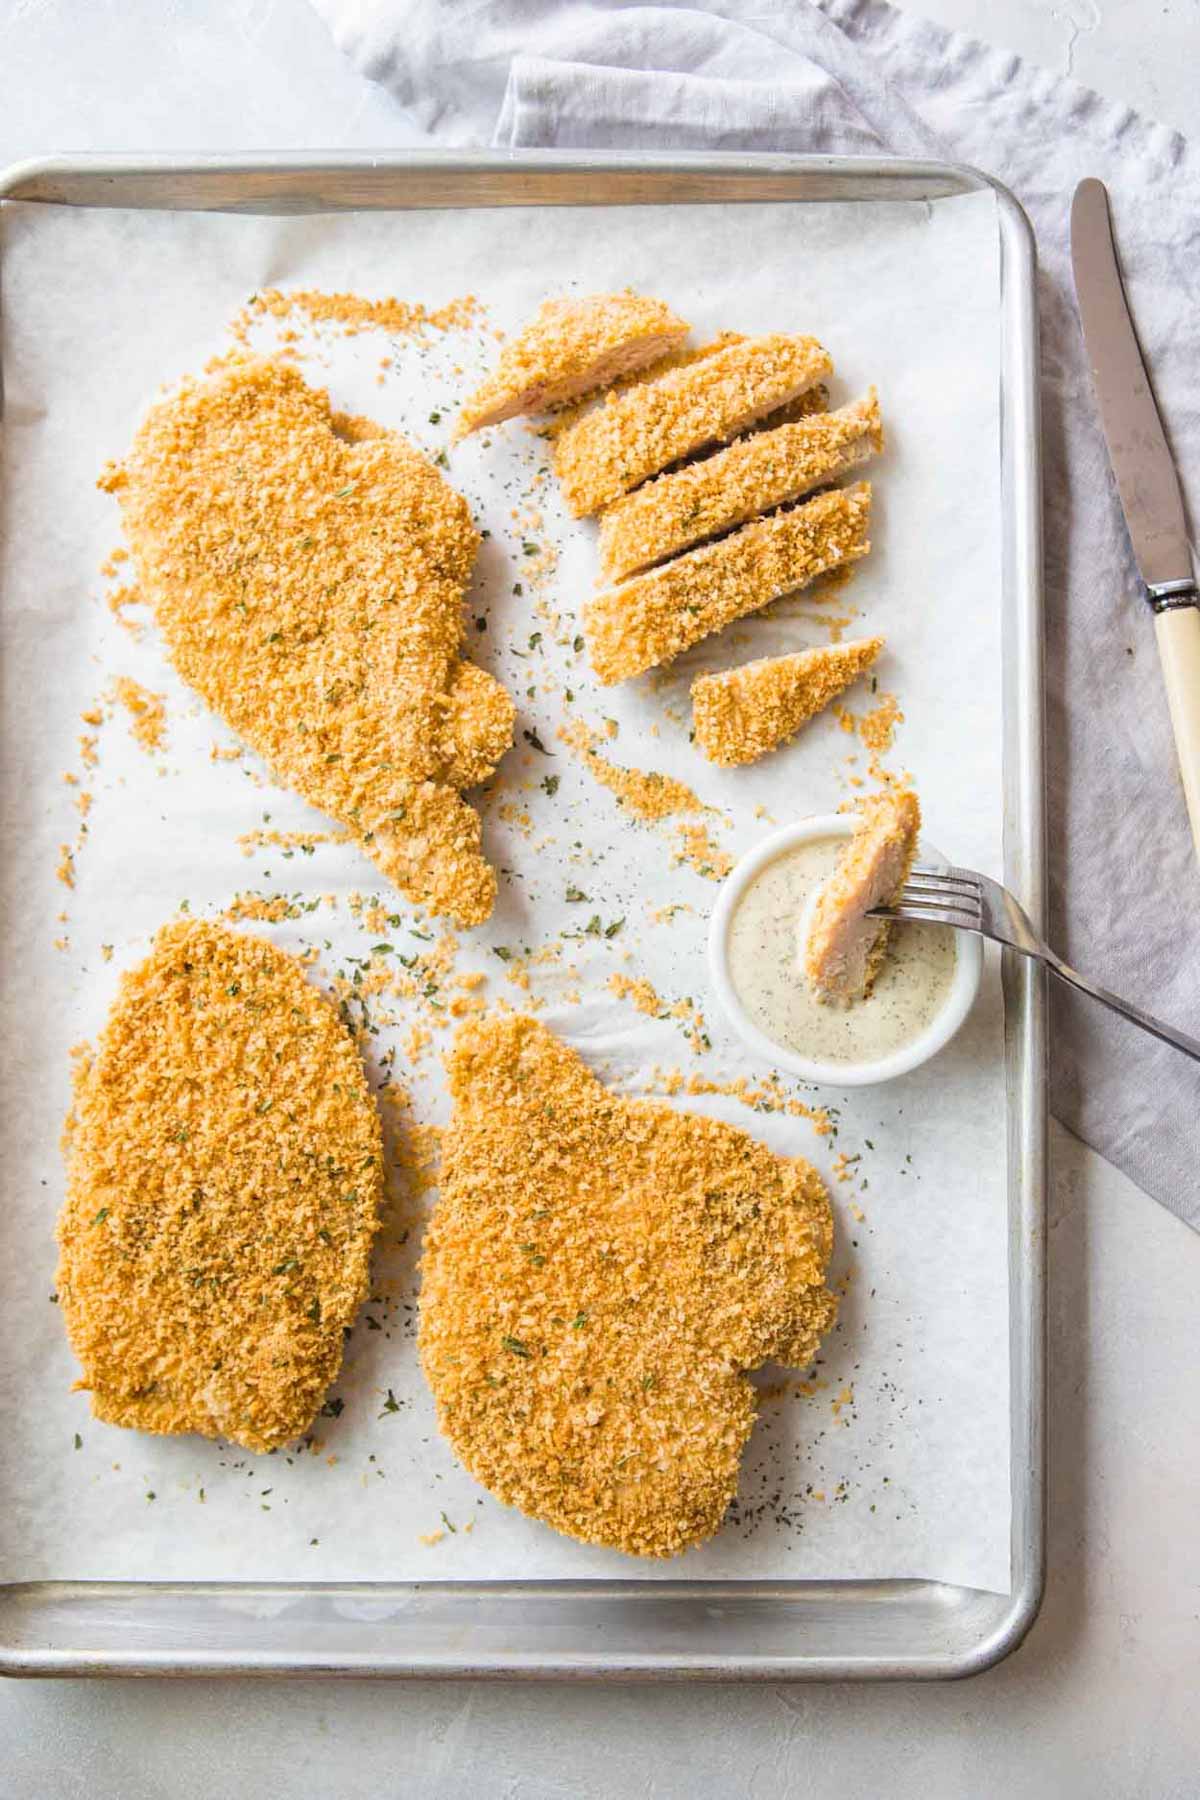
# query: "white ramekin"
{"type": "Point", "coordinates": [968, 966]}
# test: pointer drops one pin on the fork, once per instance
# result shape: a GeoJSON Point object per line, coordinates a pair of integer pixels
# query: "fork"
{"type": "Point", "coordinates": [973, 902]}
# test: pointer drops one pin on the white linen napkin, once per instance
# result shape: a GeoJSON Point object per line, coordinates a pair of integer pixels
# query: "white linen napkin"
{"type": "Point", "coordinates": [853, 76]}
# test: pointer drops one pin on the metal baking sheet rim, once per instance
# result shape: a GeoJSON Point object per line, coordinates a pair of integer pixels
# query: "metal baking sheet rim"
{"type": "Point", "coordinates": [632, 1630]}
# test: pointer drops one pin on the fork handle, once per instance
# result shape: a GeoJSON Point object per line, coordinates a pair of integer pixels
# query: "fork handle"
{"type": "Point", "coordinates": [1166, 1033]}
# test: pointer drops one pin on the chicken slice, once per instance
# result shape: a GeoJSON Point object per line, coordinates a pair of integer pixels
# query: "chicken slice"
{"type": "Point", "coordinates": [651, 618]}
{"type": "Point", "coordinates": [740, 714]}
{"type": "Point", "coordinates": [571, 348]}
{"type": "Point", "coordinates": [843, 949]}
{"type": "Point", "coordinates": [640, 432]}
{"type": "Point", "coordinates": [597, 1274]}
{"type": "Point", "coordinates": [755, 474]}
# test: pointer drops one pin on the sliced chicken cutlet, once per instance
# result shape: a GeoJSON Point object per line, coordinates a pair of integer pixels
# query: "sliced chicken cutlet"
{"type": "Point", "coordinates": [224, 1178]}
{"type": "Point", "coordinates": [571, 348]}
{"type": "Point", "coordinates": [740, 714]}
{"type": "Point", "coordinates": [843, 949]}
{"type": "Point", "coordinates": [638, 433]}
{"type": "Point", "coordinates": [757, 473]}
{"type": "Point", "coordinates": [598, 1273]}
{"type": "Point", "coordinates": [307, 571]}
{"type": "Point", "coordinates": [651, 618]}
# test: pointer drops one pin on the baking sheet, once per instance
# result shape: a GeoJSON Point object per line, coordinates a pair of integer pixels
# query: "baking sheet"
{"type": "Point", "coordinates": [896, 1462]}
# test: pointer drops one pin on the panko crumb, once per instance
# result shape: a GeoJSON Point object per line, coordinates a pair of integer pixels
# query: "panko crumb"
{"type": "Point", "coordinates": [647, 794]}
{"type": "Point", "coordinates": [147, 712]}
{"type": "Point", "coordinates": [354, 313]}
{"type": "Point", "coordinates": [597, 1274]}
{"type": "Point", "coordinates": [696, 847]}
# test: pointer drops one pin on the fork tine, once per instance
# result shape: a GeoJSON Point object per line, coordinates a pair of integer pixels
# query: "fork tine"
{"type": "Point", "coordinates": [944, 878]}
{"type": "Point", "coordinates": [935, 896]}
{"type": "Point", "coordinates": [929, 915]}
{"type": "Point", "coordinates": [922, 903]}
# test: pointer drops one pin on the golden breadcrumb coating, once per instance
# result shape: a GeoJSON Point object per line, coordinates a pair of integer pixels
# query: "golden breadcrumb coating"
{"type": "Point", "coordinates": [843, 950]}
{"type": "Point", "coordinates": [678, 358]}
{"type": "Point", "coordinates": [306, 570]}
{"type": "Point", "coordinates": [756, 473]}
{"type": "Point", "coordinates": [740, 714]}
{"type": "Point", "coordinates": [638, 433]}
{"type": "Point", "coordinates": [651, 618]}
{"type": "Point", "coordinates": [597, 1274]}
{"type": "Point", "coordinates": [570, 348]}
{"type": "Point", "coordinates": [224, 1177]}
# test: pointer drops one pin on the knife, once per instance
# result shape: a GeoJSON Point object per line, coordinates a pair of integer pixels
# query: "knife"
{"type": "Point", "coordinates": [1145, 472]}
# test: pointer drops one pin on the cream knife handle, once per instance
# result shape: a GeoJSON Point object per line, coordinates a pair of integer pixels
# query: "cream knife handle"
{"type": "Point", "coordinates": [1178, 633]}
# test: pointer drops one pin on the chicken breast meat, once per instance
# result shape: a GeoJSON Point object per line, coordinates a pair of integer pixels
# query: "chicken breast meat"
{"type": "Point", "coordinates": [570, 348]}
{"type": "Point", "coordinates": [843, 949]}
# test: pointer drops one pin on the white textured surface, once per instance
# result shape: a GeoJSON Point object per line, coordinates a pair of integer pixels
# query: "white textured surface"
{"type": "Point", "coordinates": [1099, 1701]}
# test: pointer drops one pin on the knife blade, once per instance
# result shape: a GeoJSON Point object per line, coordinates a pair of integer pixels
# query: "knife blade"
{"type": "Point", "coordinates": [1137, 445]}
{"type": "Point", "coordinates": [1147, 480]}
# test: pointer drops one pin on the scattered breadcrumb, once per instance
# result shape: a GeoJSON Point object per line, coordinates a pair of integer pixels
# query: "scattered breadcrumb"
{"type": "Point", "coordinates": [571, 347]}
{"type": "Point", "coordinates": [697, 849]}
{"type": "Point", "coordinates": [147, 712]}
{"type": "Point", "coordinates": [740, 714]}
{"type": "Point", "coordinates": [354, 313]}
{"type": "Point", "coordinates": [224, 1176]}
{"type": "Point", "coordinates": [288, 841]}
{"type": "Point", "coordinates": [651, 618]}
{"type": "Point", "coordinates": [597, 1274]}
{"type": "Point", "coordinates": [119, 600]}
{"type": "Point", "coordinates": [766, 469]}
{"type": "Point", "coordinates": [877, 729]}
{"type": "Point", "coordinates": [639, 432]}
{"type": "Point", "coordinates": [646, 793]}
{"type": "Point", "coordinates": [643, 995]}
{"type": "Point", "coordinates": [267, 909]}
{"type": "Point", "coordinates": [307, 573]}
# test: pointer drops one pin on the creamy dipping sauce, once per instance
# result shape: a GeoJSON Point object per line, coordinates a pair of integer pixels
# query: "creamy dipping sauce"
{"type": "Point", "coordinates": [764, 954]}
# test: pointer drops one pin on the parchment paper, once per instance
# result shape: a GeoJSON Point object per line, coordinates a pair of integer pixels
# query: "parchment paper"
{"type": "Point", "coordinates": [895, 1462]}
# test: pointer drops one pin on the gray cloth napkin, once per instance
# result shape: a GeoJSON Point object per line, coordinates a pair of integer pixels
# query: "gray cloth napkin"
{"type": "Point", "coordinates": [857, 76]}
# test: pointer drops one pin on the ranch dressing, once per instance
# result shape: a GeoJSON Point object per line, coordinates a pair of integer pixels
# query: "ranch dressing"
{"type": "Point", "coordinates": [766, 971]}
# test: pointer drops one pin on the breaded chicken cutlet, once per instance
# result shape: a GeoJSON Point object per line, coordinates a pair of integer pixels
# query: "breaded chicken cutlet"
{"type": "Point", "coordinates": [224, 1178]}
{"type": "Point", "coordinates": [638, 433]}
{"type": "Point", "coordinates": [653, 617]}
{"type": "Point", "coordinates": [597, 1275]}
{"type": "Point", "coordinates": [569, 349]}
{"type": "Point", "coordinates": [740, 714]}
{"type": "Point", "coordinates": [307, 572]}
{"type": "Point", "coordinates": [752, 476]}
{"type": "Point", "coordinates": [843, 949]}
